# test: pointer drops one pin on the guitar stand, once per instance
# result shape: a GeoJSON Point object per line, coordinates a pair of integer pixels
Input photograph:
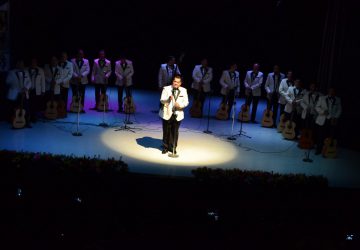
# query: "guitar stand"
{"type": "Point", "coordinates": [207, 131]}
{"type": "Point", "coordinates": [307, 157]}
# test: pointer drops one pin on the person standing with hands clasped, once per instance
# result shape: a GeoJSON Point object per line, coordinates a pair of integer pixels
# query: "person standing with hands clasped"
{"type": "Point", "coordinates": [174, 99]}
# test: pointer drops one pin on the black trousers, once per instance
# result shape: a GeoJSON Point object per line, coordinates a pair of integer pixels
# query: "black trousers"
{"type": "Point", "coordinates": [99, 90]}
{"type": "Point", "coordinates": [79, 90]}
{"type": "Point", "coordinates": [64, 92]}
{"type": "Point", "coordinates": [128, 91]}
{"type": "Point", "coordinates": [273, 104]}
{"type": "Point", "coordinates": [199, 96]}
{"type": "Point", "coordinates": [229, 99]}
{"type": "Point", "coordinates": [282, 108]}
{"type": "Point", "coordinates": [255, 101]}
{"type": "Point", "coordinates": [170, 132]}
{"type": "Point", "coordinates": [322, 132]}
{"type": "Point", "coordinates": [37, 104]}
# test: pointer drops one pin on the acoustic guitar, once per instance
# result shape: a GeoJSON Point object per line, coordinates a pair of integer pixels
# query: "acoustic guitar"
{"type": "Point", "coordinates": [51, 112]}
{"type": "Point", "coordinates": [103, 103]}
{"type": "Point", "coordinates": [267, 120]}
{"type": "Point", "coordinates": [76, 105]}
{"type": "Point", "coordinates": [282, 122]}
{"type": "Point", "coordinates": [129, 105]}
{"type": "Point", "coordinates": [244, 114]}
{"type": "Point", "coordinates": [223, 112]}
{"type": "Point", "coordinates": [306, 140]}
{"type": "Point", "coordinates": [289, 129]}
{"type": "Point", "coordinates": [19, 120]}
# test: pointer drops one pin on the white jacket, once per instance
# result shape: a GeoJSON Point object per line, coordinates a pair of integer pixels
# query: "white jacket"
{"type": "Point", "coordinates": [283, 89]}
{"type": "Point", "coordinates": [270, 85]}
{"type": "Point", "coordinates": [166, 74]}
{"type": "Point", "coordinates": [198, 76]}
{"type": "Point", "coordinates": [291, 96]}
{"type": "Point", "coordinates": [122, 73]}
{"type": "Point", "coordinates": [54, 74]}
{"type": "Point", "coordinates": [227, 83]}
{"type": "Point", "coordinates": [101, 75]}
{"type": "Point", "coordinates": [308, 103]}
{"type": "Point", "coordinates": [83, 71]}
{"type": "Point", "coordinates": [254, 85]}
{"type": "Point", "coordinates": [37, 78]}
{"type": "Point", "coordinates": [167, 108]}
{"type": "Point", "coordinates": [67, 71]}
{"type": "Point", "coordinates": [325, 104]}
{"type": "Point", "coordinates": [17, 80]}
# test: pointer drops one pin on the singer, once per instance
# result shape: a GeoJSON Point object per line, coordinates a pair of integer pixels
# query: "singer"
{"type": "Point", "coordinates": [174, 99]}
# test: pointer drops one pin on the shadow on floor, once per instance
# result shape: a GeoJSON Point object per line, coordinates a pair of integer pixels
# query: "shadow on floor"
{"type": "Point", "coordinates": [149, 142]}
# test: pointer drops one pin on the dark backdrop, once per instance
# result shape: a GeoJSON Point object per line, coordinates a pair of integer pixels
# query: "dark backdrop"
{"type": "Point", "coordinates": [287, 32]}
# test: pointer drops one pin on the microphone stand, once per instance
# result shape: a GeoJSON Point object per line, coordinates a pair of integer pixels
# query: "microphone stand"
{"type": "Point", "coordinates": [173, 154]}
{"type": "Point", "coordinates": [207, 131]}
{"type": "Point", "coordinates": [232, 137]}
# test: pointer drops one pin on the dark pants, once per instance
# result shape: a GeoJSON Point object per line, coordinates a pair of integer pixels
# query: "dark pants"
{"type": "Point", "coordinates": [79, 90]}
{"type": "Point", "coordinates": [199, 96]}
{"type": "Point", "coordinates": [229, 99]}
{"type": "Point", "coordinates": [255, 101]}
{"type": "Point", "coordinates": [296, 117]}
{"type": "Point", "coordinates": [170, 133]}
{"type": "Point", "coordinates": [322, 132]}
{"type": "Point", "coordinates": [64, 92]}
{"type": "Point", "coordinates": [282, 108]}
{"type": "Point", "coordinates": [273, 104]}
{"type": "Point", "coordinates": [36, 105]}
{"type": "Point", "coordinates": [120, 95]}
{"type": "Point", "coordinates": [100, 89]}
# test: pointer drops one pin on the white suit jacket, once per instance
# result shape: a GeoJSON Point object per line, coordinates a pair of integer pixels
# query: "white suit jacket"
{"type": "Point", "coordinates": [122, 73]}
{"type": "Point", "coordinates": [198, 76]}
{"type": "Point", "coordinates": [254, 85]}
{"type": "Point", "coordinates": [283, 89]}
{"type": "Point", "coordinates": [37, 78]}
{"type": "Point", "coordinates": [270, 85]}
{"type": "Point", "coordinates": [56, 74]}
{"type": "Point", "coordinates": [82, 71]}
{"type": "Point", "coordinates": [17, 80]}
{"type": "Point", "coordinates": [67, 71]}
{"type": "Point", "coordinates": [309, 101]}
{"type": "Point", "coordinates": [325, 104]}
{"type": "Point", "coordinates": [227, 83]}
{"type": "Point", "coordinates": [100, 75]}
{"type": "Point", "coordinates": [167, 110]}
{"type": "Point", "coordinates": [290, 97]}
{"type": "Point", "coordinates": [166, 74]}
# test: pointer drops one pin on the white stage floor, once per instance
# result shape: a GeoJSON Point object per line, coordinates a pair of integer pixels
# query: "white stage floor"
{"type": "Point", "coordinates": [265, 151]}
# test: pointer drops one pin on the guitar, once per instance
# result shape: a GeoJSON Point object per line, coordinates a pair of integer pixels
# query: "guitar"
{"type": "Point", "coordinates": [244, 114]}
{"type": "Point", "coordinates": [267, 120]}
{"type": "Point", "coordinates": [19, 120]}
{"type": "Point", "coordinates": [223, 112]}
{"type": "Point", "coordinates": [103, 103]}
{"type": "Point", "coordinates": [61, 109]}
{"type": "Point", "coordinates": [329, 148]}
{"type": "Point", "coordinates": [76, 104]}
{"type": "Point", "coordinates": [129, 106]}
{"type": "Point", "coordinates": [282, 122]}
{"type": "Point", "coordinates": [196, 109]}
{"type": "Point", "coordinates": [289, 129]}
{"type": "Point", "coordinates": [51, 106]}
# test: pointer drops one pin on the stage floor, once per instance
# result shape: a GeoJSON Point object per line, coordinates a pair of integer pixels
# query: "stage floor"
{"type": "Point", "coordinates": [265, 151]}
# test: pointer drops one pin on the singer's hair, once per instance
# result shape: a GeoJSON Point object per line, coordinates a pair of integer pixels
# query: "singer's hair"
{"type": "Point", "coordinates": [178, 76]}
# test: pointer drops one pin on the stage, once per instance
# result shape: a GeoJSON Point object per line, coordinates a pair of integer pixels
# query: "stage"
{"type": "Point", "coordinates": [266, 150]}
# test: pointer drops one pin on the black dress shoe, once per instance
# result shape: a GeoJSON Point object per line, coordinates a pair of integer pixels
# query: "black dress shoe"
{"type": "Point", "coordinates": [82, 111]}
{"type": "Point", "coordinates": [94, 108]}
{"type": "Point", "coordinates": [28, 126]}
{"type": "Point", "coordinates": [120, 111]}
{"type": "Point", "coordinates": [255, 122]}
{"type": "Point", "coordinates": [164, 151]}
